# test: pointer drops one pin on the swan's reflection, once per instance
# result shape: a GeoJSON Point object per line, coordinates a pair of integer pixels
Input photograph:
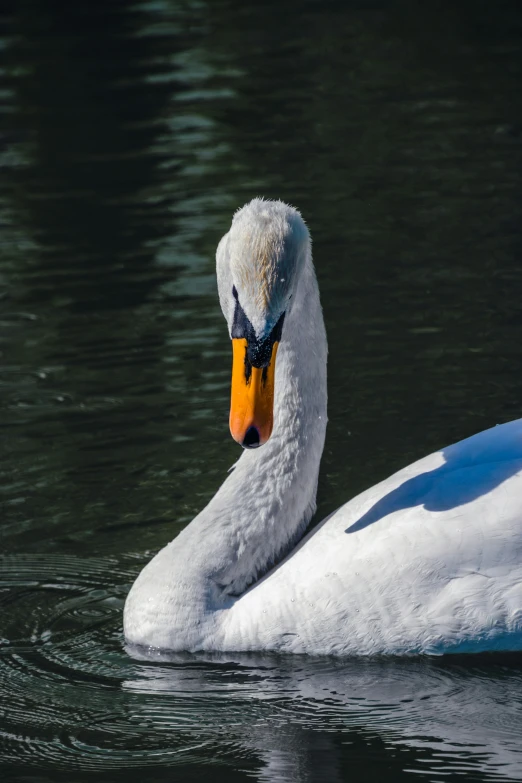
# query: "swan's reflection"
{"type": "Point", "coordinates": [438, 716]}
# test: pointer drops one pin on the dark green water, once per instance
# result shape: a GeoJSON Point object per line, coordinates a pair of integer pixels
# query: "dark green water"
{"type": "Point", "coordinates": [129, 134]}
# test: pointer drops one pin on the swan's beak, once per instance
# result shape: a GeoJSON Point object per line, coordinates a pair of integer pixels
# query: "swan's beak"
{"type": "Point", "coordinates": [252, 398]}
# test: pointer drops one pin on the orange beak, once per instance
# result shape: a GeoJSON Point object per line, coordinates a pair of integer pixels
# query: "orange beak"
{"type": "Point", "coordinates": [252, 398]}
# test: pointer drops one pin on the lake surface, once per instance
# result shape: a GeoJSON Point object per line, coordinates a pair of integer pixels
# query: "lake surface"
{"type": "Point", "coordinates": [129, 135]}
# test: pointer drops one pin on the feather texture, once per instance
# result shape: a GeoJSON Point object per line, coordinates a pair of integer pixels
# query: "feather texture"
{"type": "Point", "coordinates": [428, 561]}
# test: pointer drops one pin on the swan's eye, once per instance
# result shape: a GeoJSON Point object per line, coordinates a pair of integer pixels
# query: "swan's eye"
{"type": "Point", "coordinates": [258, 352]}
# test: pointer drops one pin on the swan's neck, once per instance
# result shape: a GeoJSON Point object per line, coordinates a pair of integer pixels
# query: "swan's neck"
{"type": "Point", "coordinates": [264, 506]}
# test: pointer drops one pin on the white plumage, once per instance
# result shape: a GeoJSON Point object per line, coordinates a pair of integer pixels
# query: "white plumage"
{"type": "Point", "coordinates": [429, 560]}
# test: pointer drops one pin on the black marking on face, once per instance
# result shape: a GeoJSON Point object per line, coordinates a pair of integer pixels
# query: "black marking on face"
{"type": "Point", "coordinates": [248, 367]}
{"type": "Point", "coordinates": [241, 326]}
{"type": "Point", "coordinates": [259, 352]}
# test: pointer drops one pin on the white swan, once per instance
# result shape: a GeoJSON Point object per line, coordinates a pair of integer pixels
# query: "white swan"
{"type": "Point", "coordinates": [429, 560]}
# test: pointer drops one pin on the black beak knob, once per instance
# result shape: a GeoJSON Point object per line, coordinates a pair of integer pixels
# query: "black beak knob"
{"type": "Point", "coordinates": [251, 440]}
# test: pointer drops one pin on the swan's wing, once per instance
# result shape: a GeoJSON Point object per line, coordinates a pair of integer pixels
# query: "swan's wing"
{"type": "Point", "coordinates": [428, 560]}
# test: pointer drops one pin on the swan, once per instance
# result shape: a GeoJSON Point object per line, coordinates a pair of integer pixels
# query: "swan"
{"type": "Point", "coordinates": [427, 561]}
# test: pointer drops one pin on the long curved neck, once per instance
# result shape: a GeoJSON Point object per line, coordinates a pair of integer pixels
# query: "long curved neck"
{"type": "Point", "coordinates": [262, 509]}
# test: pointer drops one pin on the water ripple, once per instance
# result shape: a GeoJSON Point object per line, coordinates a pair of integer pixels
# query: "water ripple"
{"type": "Point", "coordinates": [130, 135]}
{"type": "Point", "coordinates": [75, 698]}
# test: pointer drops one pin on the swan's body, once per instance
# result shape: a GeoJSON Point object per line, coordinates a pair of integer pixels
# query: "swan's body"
{"type": "Point", "coordinates": [429, 560]}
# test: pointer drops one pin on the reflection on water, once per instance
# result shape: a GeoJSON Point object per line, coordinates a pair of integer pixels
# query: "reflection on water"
{"type": "Point", "coordinates": [129, 134]}
{"type": "Point", "coordinates": [77, 700]}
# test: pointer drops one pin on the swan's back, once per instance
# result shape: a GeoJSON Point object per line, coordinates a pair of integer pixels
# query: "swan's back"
{"type": "Point", "coordinates": [429, 560]}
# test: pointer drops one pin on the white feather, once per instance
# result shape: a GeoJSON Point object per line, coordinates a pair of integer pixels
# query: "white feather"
{"type": "Point", "coordinates": [429, 560]}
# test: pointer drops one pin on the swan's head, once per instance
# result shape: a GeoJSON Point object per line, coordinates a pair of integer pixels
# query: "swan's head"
{"type": "Point", "coordinates": [259, 263]}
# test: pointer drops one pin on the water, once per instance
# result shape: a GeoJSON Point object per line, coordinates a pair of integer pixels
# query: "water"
{"type": "Point", "coordinates": [129, 135]}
